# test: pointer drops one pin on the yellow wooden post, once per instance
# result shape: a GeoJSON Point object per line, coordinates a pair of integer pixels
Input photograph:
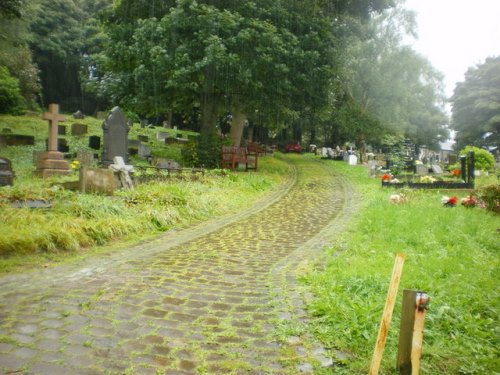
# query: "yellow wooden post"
{"type": "Point", "coordinates": [387, 314]}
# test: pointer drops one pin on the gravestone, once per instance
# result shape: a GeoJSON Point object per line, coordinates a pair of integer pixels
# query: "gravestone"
{"type": "Point", "coordinates": [6, 172]}
{"type": "Point", "coordinates": [144, 151]}
{"type": "Point", "coordinates": [95, 142]}
{"type": "Point", "coordinates": [85, 158]}
{"type": "Point", "coordinates": [133, 143]}
{"type": "Point", "coordinates": [79, 129]}
{"type": "Point", "coordinates": [51, 162]}
{"type": "Point", "coordinates": [161, 136]}
{"type": "Point", "coordinates": [115, 137]}
{"type": "Point", "coordinates": [143, 123]}
{"type": "Point", "coordinates": [62, 145]}
{"type": "Point", "coordinates": [61, 129]}
{"type": "Point", "coordinates": [421, 169]}
{"type": "Point", "coordinates": [17, 140]}
{"type": "Point", "coordinates": [96, 180]}
{"type": "Point", "coordinates": [352, 160]}
{"type": "Point", "coordinates": [372, 168]}
{"type": "Point", "coordinates": [78, 115]}
{"type": "Point", "coordinates": [436, 169]}
{"type": "Point", "coordinates": [143, 138]}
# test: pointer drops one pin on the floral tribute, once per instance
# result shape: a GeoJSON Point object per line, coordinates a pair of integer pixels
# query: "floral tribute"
{"type": "Point", "coordinates": [470, 201]}
{"type": "Point", "coordinates": [455, 172]}
{"type": "Point", "coordinates": [449, 201]}
{"type": "Point", "coordinates": [386, 177]}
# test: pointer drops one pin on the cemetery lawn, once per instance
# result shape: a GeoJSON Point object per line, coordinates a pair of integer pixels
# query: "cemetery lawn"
{"type": "Point", "coordinates": [79, 225]}
{"type": "Point", "coordinates": [451, 253]}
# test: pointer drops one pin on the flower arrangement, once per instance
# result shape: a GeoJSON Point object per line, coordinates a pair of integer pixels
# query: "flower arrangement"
{"type": "Point", "coordinates": [386, 177]}
{"type": "Point", "coordinates": [427, 179]}
{"type": "Point", "coordinates": [449, 201]}
{"type": "Point", "coordinates": [471, 201]}
{"type": "Point", "coordinates": [455, 172]}
{"type": "Point", "coordinates": [75, 165]}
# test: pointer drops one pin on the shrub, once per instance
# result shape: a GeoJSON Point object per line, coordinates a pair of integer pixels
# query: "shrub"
{"type": "Point", "coordinates": [11, 100]}
{"type": "Point", "coordinates": [490, 195]}
{"type": "Point", "coordinates": [483, 160]}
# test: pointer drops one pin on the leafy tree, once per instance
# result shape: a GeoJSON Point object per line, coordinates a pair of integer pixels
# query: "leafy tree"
{"type": "Point", "coordinates": [14, 49]}
{"type": "Point", "coordinates": [476, 106]}
{"type": "Point", "coordinates": [483, 160]}
{"type": "Point", "coordinates": [392, 84]}
{"type": "Point", "coordinates": [11, 100]}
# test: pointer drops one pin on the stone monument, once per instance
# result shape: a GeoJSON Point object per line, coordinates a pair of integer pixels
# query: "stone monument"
{"type": "Point", "coordinates": [115, 137]}
{"type": "Point", "coordinates": [51, 162]}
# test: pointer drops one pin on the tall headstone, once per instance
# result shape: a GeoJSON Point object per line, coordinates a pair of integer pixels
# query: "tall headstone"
{"type": "Point", "coordinates": [51, 162]}
{"type": "Point", "coordinates": [6, 173]}
{"type": "Point", "coordinates": [115, 137]}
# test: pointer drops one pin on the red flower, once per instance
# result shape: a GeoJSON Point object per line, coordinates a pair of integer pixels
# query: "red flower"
{"type": "Point", "coordinates": [455, 172]}
{"type": "Point", "coordinates": [453, 201]}
{"type": "Point", "coordinates": [386, 177]}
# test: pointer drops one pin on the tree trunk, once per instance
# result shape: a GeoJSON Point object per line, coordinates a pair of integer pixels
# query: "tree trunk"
{"type": "Point", "coordinates": [237, 125]}
{"type": "Point", "coordinates": [208, 114]}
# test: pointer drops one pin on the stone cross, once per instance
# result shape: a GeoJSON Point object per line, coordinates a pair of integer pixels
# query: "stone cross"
{"type": "Point", "coordinates": [54, 117]}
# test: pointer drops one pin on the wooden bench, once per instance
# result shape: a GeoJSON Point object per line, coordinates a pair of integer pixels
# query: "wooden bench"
{"type": "Point", "coordinates": [232, 156]}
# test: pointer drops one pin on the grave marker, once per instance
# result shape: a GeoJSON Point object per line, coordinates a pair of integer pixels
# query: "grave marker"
{"type": "Point", "coordinates": [52, 162]}
{"type": "Point", "coordinates": [79, 129]}
{"type": "Point", "coordinates": [6, 172]}
{"type": "Point", "coordinates": [115, 137]}
{"type": "Point", "coordinates": [95, 142]}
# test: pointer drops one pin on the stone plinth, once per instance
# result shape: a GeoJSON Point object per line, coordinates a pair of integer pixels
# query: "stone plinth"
{"type": "Point", "coordinates": [51, 163]}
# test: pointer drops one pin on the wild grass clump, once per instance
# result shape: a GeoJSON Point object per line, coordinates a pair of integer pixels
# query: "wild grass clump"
{"type": "Point", "coordinates": [451, 253]}
{"type": "Point", "coordinates": [75, 221]}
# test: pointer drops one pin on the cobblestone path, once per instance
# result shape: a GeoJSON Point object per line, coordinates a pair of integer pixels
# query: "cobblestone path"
{"type": "Point", "coordinates": [205, 300]}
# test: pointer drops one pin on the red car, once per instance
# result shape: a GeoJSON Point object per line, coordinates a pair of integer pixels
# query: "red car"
{"type": "Point", "coordinates": [293, 147]}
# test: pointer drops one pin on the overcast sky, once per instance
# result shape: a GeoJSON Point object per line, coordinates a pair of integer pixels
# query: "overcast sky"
{"type": "Point", "coordinates": [457, 34]}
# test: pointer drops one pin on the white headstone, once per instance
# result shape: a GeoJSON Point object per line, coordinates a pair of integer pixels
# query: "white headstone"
{"type": "Point", "coordinates": [353, 160]}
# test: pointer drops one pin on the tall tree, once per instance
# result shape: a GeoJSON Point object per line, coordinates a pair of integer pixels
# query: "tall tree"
{"type": "Point", "coordinates": [476, 106]}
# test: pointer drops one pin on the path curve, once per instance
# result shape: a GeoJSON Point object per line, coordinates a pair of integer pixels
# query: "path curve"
{"type": "Point", "coordinates": [205, 300]}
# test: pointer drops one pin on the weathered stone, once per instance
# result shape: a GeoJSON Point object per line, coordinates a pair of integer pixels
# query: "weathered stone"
{"type": "Point", "coordinates": [115, 134]}
{"type": "Point", "coordinates": [79, 129]}
{"type": "Point", "coordinates": [6, 172]}
{"type": "Point", "coordinates": [95, 180]}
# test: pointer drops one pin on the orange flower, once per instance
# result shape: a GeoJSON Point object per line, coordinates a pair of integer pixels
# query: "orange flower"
{"type": "Point", "coordinates": [386, 177]}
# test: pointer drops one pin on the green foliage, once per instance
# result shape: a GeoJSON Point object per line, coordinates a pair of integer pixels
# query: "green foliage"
{"type": "Point", "coordinates": [450, 253]}
{"type": "Point", "coordinates": [483, 160]}
{"type": "Point", "coordinates": [476, 105]}
{"type": "Point", "coordinates": [490, 195]}
{"type": "Point", "coordinates": [204, 152]}
{"type": "Point", "coordinates": [11, 100]}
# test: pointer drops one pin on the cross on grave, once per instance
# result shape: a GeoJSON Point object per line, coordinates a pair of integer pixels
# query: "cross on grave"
{"type": "Point", "coordinates": [51, 162]}
{"type": "Point", "coordinates": [54, 117]}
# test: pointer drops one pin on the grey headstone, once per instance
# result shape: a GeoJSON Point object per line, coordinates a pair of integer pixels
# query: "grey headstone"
{"type": "Point", "coordinates": [421, 169]}
{"type": "Point", "coordinates": [78, 115]}
{"type": "Point", "coordinates": [436, 169]}
{"type": "Point", "coordinates": [6, 173]}
{"type": "Point", "coordinates": [133, 143]}
{"type": "Point", "coordinates": [144, 151]}
{"type": "Point", "coordinates": [79, 129]}
{"type": "Point", "coordinates": [85, 158]}
{"type": "Point", "coordinates": [115, 137]}
{"type": "Point", "coordinates": [161, 136]}
{"type": "Point", "coordinates": [143, 138]}
{"type": "Point", "coordinates": [95, 180]}
{"type": "Point", "coordinates": [166, 164]}
{"type": "Point", "coordinates": [372, 167]}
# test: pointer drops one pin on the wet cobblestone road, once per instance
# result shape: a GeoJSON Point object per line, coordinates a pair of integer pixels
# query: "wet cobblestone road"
{"type": "Point", "coordinates": [205, 300]}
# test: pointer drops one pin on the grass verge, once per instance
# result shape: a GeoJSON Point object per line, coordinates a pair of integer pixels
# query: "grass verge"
{"type": "Point", "coordinates": [451, 253]}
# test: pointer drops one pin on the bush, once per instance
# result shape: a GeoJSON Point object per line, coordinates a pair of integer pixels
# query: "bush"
{"type": "Point", "coordinates": [490, 195]}
{"type": "Point", "coordinates": [483, 160]}
{"type": "Point", "coordinates": [11, 100]}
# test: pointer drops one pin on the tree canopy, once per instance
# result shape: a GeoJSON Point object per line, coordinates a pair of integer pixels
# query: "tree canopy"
{"type": "Point", "coordinates": [328, 71]}
{"type": "Point", "coordinates": [476, 106]}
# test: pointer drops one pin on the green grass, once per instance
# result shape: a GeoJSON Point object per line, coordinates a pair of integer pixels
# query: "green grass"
{"type": "Point", "coordinates": [77, 222]}
{"type": "Point", "coordinates": [451, 253]}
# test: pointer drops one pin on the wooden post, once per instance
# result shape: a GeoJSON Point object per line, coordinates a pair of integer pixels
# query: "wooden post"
{"type": "Point", "coordinates": [387, 314]}
{"type": "Point", "coordinates": [411, 332]}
